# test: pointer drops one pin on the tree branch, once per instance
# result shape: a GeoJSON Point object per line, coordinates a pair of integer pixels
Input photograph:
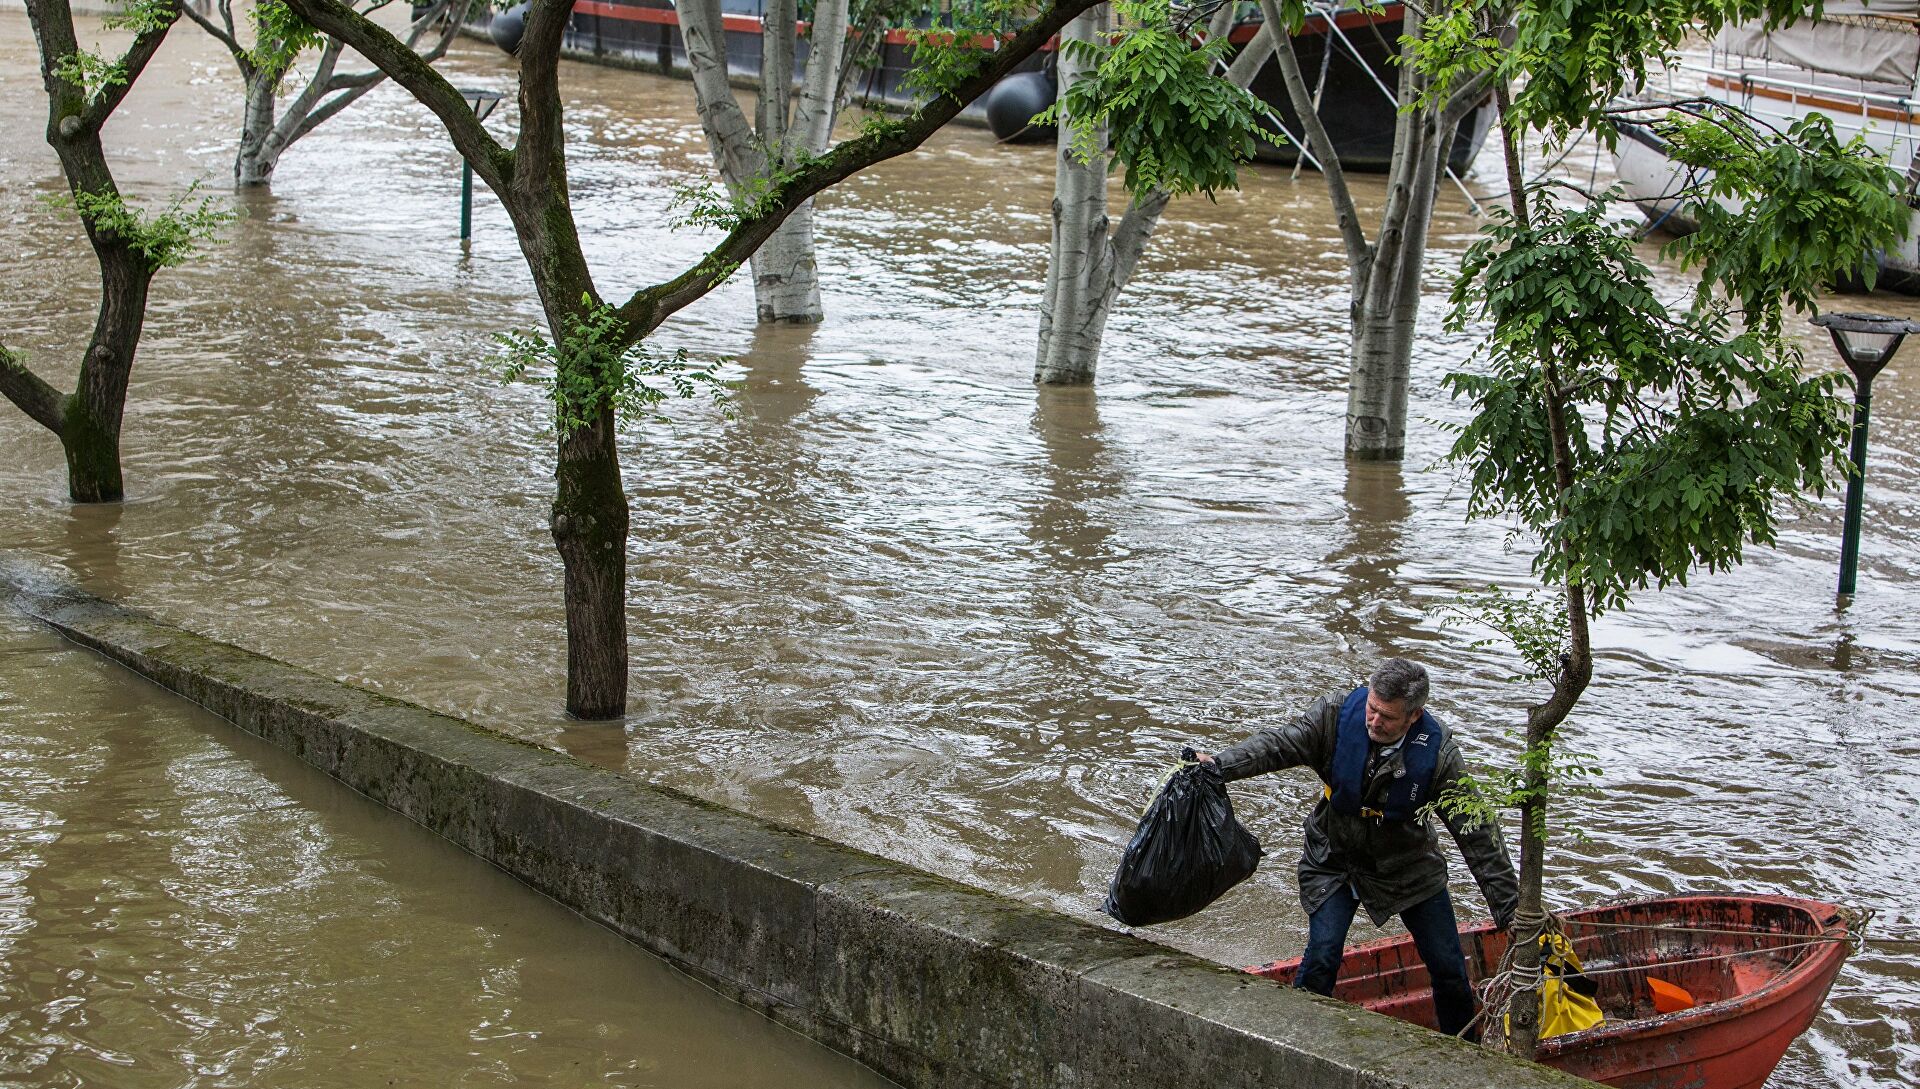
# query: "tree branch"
{"type": "Point", "coordinates": [132, 63]}
{"type": "Point", "coordinates": [648, 307]}
{"type": "Point", "coordinates": [1359, 253]}
{"type": "Point", "coordinates": [407, 68]}
{"type": "Point", "coordinates": [1466, 97]}
{"type": "Point", "coordinates": [1135, 230]}
{"type": "Point", "coordinates": [224, 37]}
{"type": "Point", "coordinates": [306, 112]}
{"type": "Point", "coordinates": [31, 393]}
{"type": "Point", "coordinates": [542, 150]}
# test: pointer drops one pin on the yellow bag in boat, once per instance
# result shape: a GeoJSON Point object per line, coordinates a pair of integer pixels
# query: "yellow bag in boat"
{"type": "Point", "coordinates": [1566, 996]}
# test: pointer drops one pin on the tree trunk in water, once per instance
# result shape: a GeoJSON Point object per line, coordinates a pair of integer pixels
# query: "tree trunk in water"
{"type": "Point", "coordinates": [786, 280]}
{"type": "Point", "coordinates": [90, 424]}
{"type": "Point", "coordinates": [1074, 308]}
{"type": "Point", "coordinates": [253, 164]}
{"type": "Point", "coordinates": [590, 523]}
{"type": "Point", "coordinates": [1388, 305]}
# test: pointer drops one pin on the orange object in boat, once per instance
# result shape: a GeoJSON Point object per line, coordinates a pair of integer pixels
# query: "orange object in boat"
{"type": "Point", "coordinates": [1667, 998]}
{"type": "Point", "coordinates": [1758, 968]}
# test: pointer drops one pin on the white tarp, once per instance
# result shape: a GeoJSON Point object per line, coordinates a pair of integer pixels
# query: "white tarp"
{"type": "Point", "coordinates": [1886, 52]}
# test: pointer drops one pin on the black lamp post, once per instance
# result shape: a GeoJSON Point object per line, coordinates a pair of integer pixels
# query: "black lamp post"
{"type": "Point", "coordinates": [482, 103]}
{"type": "Point", "coordinates": [1866, 342]}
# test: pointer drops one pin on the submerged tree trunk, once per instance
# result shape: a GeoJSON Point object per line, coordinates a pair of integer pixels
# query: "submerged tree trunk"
{"type": "Point", "coordinates": [1384, 274]}
{"type": "Point", "coordinates": [87, 422]}
{"type": "Point", "coordinates": [90, 426]}
{"type": "Point", "coordinates": [254, 162]}
{"type": "Point", "coordinates": [1088, 266]}
{"type": "Point", "coordinates": [1073, 311]}
{"type": "Point", "coordinates": [787, 130]}
{"type": "Point", "coordinates": [590, 523]}
{"type": "Point", "coordinates": [786, 276]}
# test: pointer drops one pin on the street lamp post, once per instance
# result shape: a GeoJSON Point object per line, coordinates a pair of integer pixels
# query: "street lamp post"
{"type": "Point", "coordinates": [1866, 343]}
{"type": "Point", "coordinates": [482, 103]}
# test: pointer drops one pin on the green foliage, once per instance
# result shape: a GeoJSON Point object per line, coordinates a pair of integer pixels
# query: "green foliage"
{"type": "Point", "coordinates": [703, 204]}
{"type": "Point", "coordinates": [161, 241]}
{"type": "Point", "coordinates": [947, 52]}
{"type": "Point", "coordinates": [1685, 434]}
{"type": "Point", "coordinates": [1173, 123]}
{"type": "Point", "coordinates": [280, 35]}
{"type": "Point", "coordinates": [1474, 799]}
{"type": "Point", "coordinates": [91, 72]}
{"type": "Point", "coordinates": [880, 124]}
{"type": "Point", "coordinates": [1569, 58]}
{"type": "Point", "coordinates": [143, 16]}
{"type": "Point", "coordinates": [94, 73]}
{"type": "Point", "coordinates": [1533, 624]}
{"type": "Point", "coordinates": [594, 369]}
{"type": "Point", "coordinates": [1832, 207]}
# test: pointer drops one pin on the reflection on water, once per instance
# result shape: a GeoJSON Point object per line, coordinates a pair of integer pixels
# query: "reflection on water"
{"type": "Point", "coordinates": [184, 906]}
{"type": "Point", "coordinates": [901, 598]}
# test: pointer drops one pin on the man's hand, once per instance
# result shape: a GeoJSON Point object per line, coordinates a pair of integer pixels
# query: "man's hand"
{"type": "Point", "coordinates": [1203, 757]}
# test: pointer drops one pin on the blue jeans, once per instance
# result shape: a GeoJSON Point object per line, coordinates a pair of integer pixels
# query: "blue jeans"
{"type": "Point", "coordinates": [1436, 934]}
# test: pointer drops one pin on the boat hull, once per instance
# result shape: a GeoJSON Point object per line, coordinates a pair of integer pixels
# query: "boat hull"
{"type": "Point", "coordinates": [1759, 985]}
{"type": "Point", "coordinates": [1652, 181]}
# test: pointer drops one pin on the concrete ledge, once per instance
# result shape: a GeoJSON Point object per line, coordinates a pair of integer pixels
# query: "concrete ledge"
{"type": "Point", "coordinates": [932, 983]}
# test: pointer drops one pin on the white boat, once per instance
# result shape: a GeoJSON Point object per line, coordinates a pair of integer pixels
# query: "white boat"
{"type": "Point", "coordinates": [1858, 65]}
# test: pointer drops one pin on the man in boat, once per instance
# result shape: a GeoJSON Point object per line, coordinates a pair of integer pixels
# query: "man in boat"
{"type": "Point", "coordinates": [1383, 758]}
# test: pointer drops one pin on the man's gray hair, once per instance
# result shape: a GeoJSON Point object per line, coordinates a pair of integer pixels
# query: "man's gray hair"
{"type": "Point", "coordinates": [1398, 679]}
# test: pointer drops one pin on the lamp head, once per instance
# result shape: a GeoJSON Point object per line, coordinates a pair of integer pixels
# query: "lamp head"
{"type": "Point", "coordinates": [1866, 342]}
{"type": "Point", "coordinates": [480, 101]}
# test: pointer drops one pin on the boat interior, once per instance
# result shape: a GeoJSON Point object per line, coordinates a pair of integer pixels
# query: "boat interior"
{"type": "Point", "coordinates": [1734, 951]}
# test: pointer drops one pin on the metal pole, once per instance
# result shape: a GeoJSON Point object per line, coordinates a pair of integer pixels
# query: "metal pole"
{"type": "Point", "coordinates": [1856, 484]}
{"type": "Point", "coordinates": [466, 200]}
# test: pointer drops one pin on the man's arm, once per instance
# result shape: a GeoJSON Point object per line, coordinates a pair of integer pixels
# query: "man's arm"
{"type": "Point", "coordinates": [1477, 832]}
{"type": "Point", "coordinates": [1306, 740]}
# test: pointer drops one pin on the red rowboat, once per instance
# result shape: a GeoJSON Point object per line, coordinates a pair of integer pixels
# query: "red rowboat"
{"type": "Point", "coordinates": [1758, 968]}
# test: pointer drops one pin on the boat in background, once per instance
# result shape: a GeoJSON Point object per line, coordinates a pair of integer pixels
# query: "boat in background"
{"type": "Point", "coordinates": [1858, 65]}
{"type": "Point", "coordinates": [1757, 968]}
{"type": "Point", "coordinates": [1346, 54]}
{"type": "Point", "coordinates": [1344, 50]}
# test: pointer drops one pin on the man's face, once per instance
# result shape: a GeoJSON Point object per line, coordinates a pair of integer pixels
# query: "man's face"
{"type": "Point", "coordinates": [1388, 720]}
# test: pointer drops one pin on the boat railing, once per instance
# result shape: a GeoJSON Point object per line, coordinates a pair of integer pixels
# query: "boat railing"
{"type": "Point", "coordinates": [1865, 97]}
{"type": "Point", "coordinates": [1889, 122]}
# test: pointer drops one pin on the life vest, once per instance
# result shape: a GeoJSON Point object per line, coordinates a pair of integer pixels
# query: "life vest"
{"type": "Point", "coordinates": [1408, 792]}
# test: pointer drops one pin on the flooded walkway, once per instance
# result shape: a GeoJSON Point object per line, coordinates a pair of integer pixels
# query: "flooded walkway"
{"type": "Point", "coordinates": [903, 600]}
{"type": "Point", "coordinates": [183, 905]}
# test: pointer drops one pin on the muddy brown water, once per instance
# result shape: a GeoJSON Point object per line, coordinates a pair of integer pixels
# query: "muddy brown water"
{"type": "Point", "coordinates": [183, 905]}
{"type": "Point", "coordinates": [902, 599]}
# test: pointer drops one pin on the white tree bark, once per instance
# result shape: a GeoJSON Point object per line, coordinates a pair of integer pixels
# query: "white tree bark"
{"type": "Point", "coordinates": [1384, 275]}
{"type": "Point", "coordinates": [786, 129]}
{"type": "Point", "coordinates": [1087, 267]}
{"type": "Point", "coordinates": [266, 133]}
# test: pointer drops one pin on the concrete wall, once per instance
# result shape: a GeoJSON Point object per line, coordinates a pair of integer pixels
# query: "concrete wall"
{"type": "Point", "coordinates": [932, 983]}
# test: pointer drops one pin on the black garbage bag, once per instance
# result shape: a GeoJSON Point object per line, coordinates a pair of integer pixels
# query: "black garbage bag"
{"type": "Point", "coordinates": [1188, 851]}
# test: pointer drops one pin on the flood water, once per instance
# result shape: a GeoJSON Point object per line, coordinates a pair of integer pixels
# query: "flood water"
{"type": "Point", "coordinates": [902, 599]}
{"type": "Point", "coordinates": [183, 905]}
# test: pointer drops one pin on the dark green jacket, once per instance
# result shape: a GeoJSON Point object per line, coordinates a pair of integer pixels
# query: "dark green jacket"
{"type": "Point", "coordinates": [1392, 865]}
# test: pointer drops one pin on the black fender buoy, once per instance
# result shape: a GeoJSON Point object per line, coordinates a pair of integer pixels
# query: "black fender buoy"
{"type": "Point", "coordinates": [508, 27]}
{"type": "Point", "coordinates": [1013, 101]}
